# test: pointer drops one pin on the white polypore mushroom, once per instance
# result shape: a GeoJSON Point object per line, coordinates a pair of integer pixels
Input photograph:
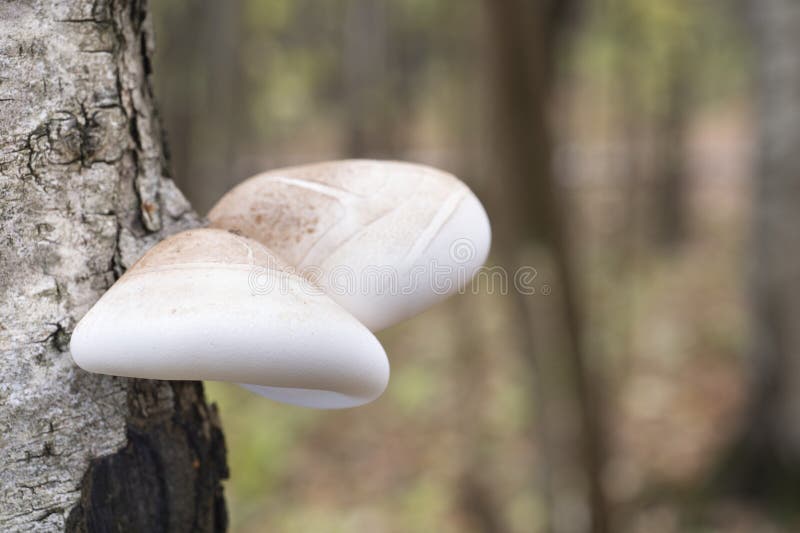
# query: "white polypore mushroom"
{"type": "Point", "coordinates": [209, 305]}
{"type": "Point", "coordinates": [384, 239]}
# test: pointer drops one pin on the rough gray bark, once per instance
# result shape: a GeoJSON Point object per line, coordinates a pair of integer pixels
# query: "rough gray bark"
{"type": "Point", "coordinates": [84, 193]}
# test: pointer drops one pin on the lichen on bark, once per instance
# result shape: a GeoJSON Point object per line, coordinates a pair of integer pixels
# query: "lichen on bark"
{"type": "Point", "coordinates": [84, 192]}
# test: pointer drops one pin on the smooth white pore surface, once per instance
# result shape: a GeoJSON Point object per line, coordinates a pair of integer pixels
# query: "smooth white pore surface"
{"type": "Point", "coordinates": [384, 239]}
{"type": "Point", "coordinates": [209, 305]}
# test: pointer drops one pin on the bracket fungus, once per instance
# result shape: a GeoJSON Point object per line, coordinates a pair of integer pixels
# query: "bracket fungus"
{"type": "Point", "coordinates": [384, 239]}
{"type": "Point", "coordinates": [281, 294]}
{"type": "Point", "coordinates": [187, 311]}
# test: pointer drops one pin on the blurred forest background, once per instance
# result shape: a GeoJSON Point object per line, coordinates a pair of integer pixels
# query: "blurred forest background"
{"type": "Point", "coordinates": [641, 155]}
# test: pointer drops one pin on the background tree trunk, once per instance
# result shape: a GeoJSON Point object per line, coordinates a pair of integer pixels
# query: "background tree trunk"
{"type": "Point", "coordinates": [84, 194]}
{"type": "Point", "coordinates": [527, 35]}
{"type": "Point", "coordinates": [365, 65]}
{"type": "Point", "coordinates": [766, 463]}
{"type": "Point", "coordinates": [201, 41]}
{"type": "Point", "coordinates": [671, 191]}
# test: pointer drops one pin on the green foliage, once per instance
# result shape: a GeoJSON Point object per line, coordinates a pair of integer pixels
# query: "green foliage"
{"type": "Point", "coordinates": [640, 47]}
{"type": "Point", "coordinates": [261, 440]}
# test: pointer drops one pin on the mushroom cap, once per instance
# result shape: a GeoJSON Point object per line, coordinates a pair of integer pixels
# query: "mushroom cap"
{"type": "Point", "coordinates": [206, 304]}
{"type": "Point", "coordinates": [384, 239]}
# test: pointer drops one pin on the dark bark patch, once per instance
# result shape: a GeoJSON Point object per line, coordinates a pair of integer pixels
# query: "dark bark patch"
{"type": "Point", "coordinates": [167, 477]}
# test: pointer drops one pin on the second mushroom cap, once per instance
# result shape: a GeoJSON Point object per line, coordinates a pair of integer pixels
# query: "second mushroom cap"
{"type": "Point", "coordinates": [384, 239]}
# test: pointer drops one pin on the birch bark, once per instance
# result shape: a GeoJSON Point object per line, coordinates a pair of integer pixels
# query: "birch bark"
{"type": "Point", "coordinates": [83, 193]}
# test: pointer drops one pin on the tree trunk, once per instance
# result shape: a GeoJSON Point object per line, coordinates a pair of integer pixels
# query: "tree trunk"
{"type": "Point", "coordinates": [526, 35]}
{"type": "Point", "coordinates": [201, 41]}
{"type": "Point", "coordinates": [369, 127]}
{"type": "Point", "coordinates": [671, 180]}
{"type": "Point", "coordinates": [84, 194]}
{"type": "Point", "coordinates": [766, 463]}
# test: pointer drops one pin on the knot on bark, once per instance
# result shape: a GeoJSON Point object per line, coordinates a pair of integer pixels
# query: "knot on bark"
{"type": "Point", "coordinates": [90, 134]}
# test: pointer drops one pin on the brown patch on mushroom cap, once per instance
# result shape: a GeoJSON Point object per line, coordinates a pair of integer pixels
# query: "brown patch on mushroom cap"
{"type": "Point", "coordinates": [279, 215]}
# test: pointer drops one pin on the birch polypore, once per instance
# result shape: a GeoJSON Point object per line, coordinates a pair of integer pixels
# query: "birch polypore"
{"type": "Point", "coordinates": [206, 304]}
{"type": "Point", "coordinates": [384, 239]}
